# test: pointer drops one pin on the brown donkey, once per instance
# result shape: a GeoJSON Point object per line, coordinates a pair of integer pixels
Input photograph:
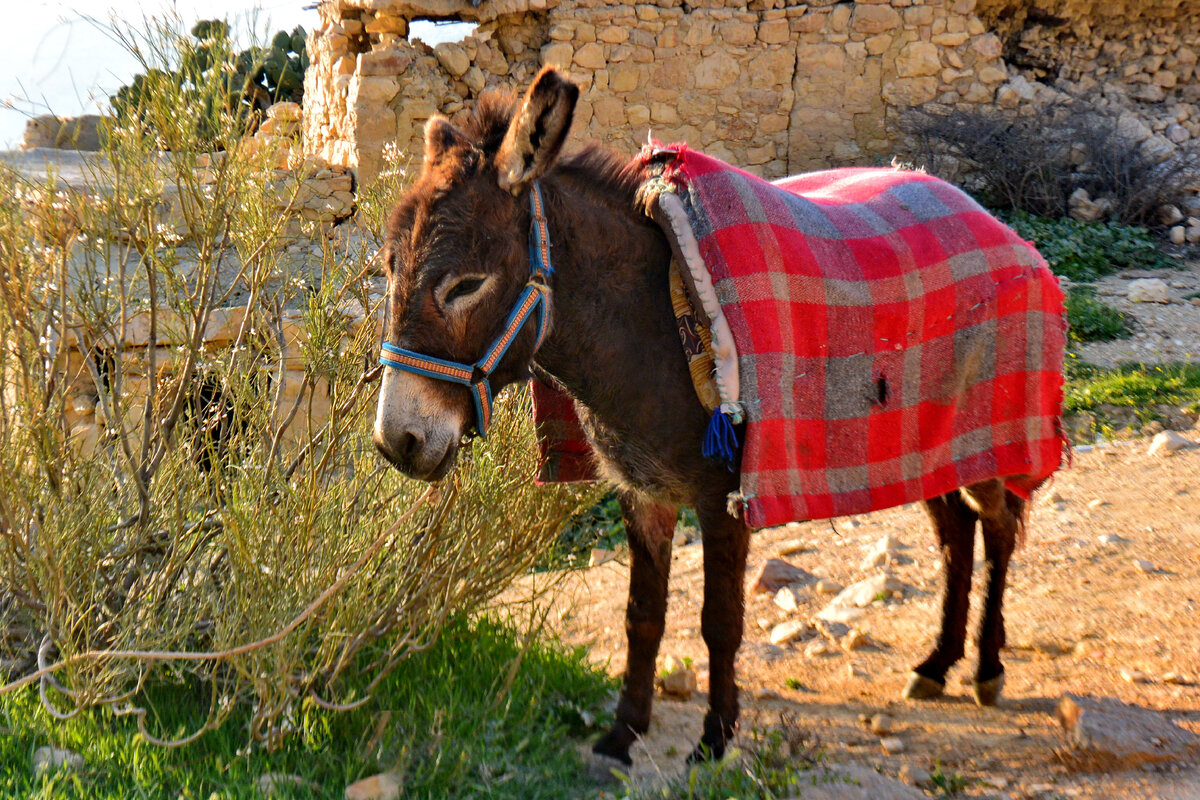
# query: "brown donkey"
{"type": "Point", "coordinates": [458, 260]}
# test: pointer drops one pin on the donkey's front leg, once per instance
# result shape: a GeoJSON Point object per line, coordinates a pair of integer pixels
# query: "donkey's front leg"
{"type": "Point", "coordinates": [650, 527]}
{"type": "Point", "coordinates": [726, 541]}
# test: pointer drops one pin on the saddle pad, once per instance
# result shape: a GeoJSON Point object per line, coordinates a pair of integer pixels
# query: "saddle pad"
{"type": "Point", "coordinates": [893, 340]}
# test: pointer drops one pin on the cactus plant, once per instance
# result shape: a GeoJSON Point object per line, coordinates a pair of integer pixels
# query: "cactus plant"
{"type": "Point", "coordinates": [246, 81]}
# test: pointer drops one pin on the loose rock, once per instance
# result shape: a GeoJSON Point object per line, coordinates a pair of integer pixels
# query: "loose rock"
{"type": "Point", "coordinates": [677, 679]}
{"type": "Point", "coordinates": [789, 597]}
{"type": "Point", "coordinates": [1167, 442]}
{"type": "Point", "coordinates": [1134, 676]}
{"type": "Point", "coordinates": [866, 592]}
{"type": "Point", "coordinates": [1148, 290]}
{"type": "Point", "coordinates": [1144, 565]}
{"type": "Point", "coordinates": [882, 724]}
{"type": "Point", "coordinates": [600, 556]}
{"type": "Point", "coordinates": [46, 759]}
{"type": "Point", "coordinates": [892, 745]}
{"type": "Point", "coordinates": [915, 776]}
{"type": "Point", "coordinates": [789, 631]}
{"type": "Point", "coordinates": [777, 573]}
{"type": "Point", "coordinates": [384, 786]}
{"type": "Point", "coordinates": [853, 782]}
{"type": "Point", "coordinates": [1125, 735]}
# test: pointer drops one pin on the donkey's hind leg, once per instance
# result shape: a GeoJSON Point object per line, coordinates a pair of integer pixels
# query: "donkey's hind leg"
{"type": "Point", "coordinates": [726, 542]}
{"type": "Point", "coordinates": [1000, 514]}
{"type": "Point", "coordinates": [954, 523]}
{"type": "Point", "coordinates": [650, 527]}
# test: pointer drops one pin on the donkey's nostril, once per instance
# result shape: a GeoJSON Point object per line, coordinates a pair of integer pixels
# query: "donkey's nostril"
{"type": "Point", "coordinates": [409, 445]}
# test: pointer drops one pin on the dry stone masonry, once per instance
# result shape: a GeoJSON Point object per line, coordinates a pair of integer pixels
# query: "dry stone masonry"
{"type": "Point", "coordinates": [772, 86]}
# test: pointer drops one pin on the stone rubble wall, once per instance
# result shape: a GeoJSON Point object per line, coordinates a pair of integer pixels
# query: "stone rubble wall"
{"type": "Point", "coordinates": [773, 87]}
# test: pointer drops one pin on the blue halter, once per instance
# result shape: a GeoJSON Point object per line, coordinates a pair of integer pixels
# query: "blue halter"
{"type": "Point", "coordinates": [534, 298]}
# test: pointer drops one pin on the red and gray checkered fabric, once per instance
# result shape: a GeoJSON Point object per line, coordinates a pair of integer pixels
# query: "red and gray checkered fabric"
{"type": "Point", "coordinates": [895, 341]}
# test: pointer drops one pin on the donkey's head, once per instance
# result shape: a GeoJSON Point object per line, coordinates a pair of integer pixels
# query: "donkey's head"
{"type": "Point", "coordinates": [457, 260]}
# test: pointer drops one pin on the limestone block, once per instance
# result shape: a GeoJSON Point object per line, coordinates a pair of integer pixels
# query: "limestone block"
{"type": "Point", "coordinates": [917, 59]}
{"type": "Point", "coordinates": [871, 20]}
{"type": "Point", "coordinates": [395, 25]}
{"type": "Point", "coordinates": [638, 115]}
{"type": "Point", "coordinates": [878, 45]}
{"type": "Point", "coordinates": [475, 80]}
{"type": "Point", "coordinates": [716, 71]}
{"type": "Point", "coordinates": [775, 31]}
{"type": "Point", "coordinates": [699, 31]}
{"type": "Point", "coordinates": [771, 69]}
{"type": "Point", "coordinates": [916, 16]}
{"type": "Point", "coordinates": [992, 75]}
{"type": "Point", "coordinates": [452, 58]}
{"type": "Point", "coordinates": [664, 113]}
{"type": "Point", "coordinates": [613, 34]}
{"type": "Point", "coordinates": [951, 39]}
{"type": "Point", "coordinates": [988, 45]}
{"type": "Point", "coordinates": [374, 90]}
{"type": "Point", "coordinates": [560, 54]}
{"type": "Point", "coordinates": [910, 91]}
{"type": "Point", "coordinates": [738, 34]}
{"type": "Point", "coordinates": [623, 79]}
{"type": "Point", "coordinates": [590, 56]}
{"type": "Point", "coordinates": [609, 111]}
{"type": "Point", "coordinates": [284, 112]}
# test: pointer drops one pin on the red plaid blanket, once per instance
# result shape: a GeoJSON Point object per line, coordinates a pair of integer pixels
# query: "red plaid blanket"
{"type": "Point", "coordinates": [894, 340]}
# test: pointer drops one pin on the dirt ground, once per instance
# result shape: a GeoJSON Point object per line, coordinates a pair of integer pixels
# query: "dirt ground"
{"type": "Point", "coordinates": [1080, 612]}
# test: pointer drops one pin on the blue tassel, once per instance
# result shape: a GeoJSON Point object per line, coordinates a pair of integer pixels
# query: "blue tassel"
{"type": "Point", "coordinates": [720, 440]}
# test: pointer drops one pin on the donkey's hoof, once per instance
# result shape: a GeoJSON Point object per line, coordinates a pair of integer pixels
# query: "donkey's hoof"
{"type": "Point", "coordinates": [606, 769]}
{"type": "Point", "coordinates": [921, 688]}
{"type": "Point", "coordinates": [987, 693]}
{"type": "Point", "coordinates": [610, 748]}
{"type": "Point", "coordinates": [704, 753]}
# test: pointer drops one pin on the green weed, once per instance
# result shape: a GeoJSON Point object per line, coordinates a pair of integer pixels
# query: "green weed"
{"type": "Point", "coordinates": [1085, 251]}
{"type": "Point", "coordinates": [1093, 320]}
{"type": "Point", "coordinates": [454, 721]}
{"type": "Point", "coordinates": [1131, 385]}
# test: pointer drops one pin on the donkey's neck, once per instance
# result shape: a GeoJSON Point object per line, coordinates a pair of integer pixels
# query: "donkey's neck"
{"type": "Point", "coordinates": [614, 344]}
{"type": "Point", "coordinates": [610, 301]}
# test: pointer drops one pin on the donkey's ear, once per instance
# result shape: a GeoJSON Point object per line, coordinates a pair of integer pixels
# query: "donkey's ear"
{"type": "Point", "coordinates": [537, 132]}
{"type": "Point", "coordinates": [441, 137]}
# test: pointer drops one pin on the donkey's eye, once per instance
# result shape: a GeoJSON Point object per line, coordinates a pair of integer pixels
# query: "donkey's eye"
{"type": "Point", "coordinates": [463, 288]}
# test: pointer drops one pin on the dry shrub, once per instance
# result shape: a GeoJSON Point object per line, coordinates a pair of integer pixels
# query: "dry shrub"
{"type": "Point", "coordinates": [218, 530]}
{"type": "Point", "coordinates": [1034, 160]}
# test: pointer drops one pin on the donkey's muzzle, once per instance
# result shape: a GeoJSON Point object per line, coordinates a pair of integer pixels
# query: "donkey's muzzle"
{"type": "Point", "coordinates": [411, 452]}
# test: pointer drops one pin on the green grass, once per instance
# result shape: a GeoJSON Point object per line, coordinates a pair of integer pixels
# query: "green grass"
{"type": "Point", "coordinates": [948, 784]}
{"type": "Point", "coordinates": [1085, 251]}
{"type": "Point", "coordinates": [1088, 388]}
{"type": "Point", "coordinates": [1093, 320]}
{"type": "Point", "coordinates": [444, 720]}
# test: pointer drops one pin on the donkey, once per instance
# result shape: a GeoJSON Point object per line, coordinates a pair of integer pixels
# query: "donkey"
{"type": "Point", "coordinates": [458, 258]}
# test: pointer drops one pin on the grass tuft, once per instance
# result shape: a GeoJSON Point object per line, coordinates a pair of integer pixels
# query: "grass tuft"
{"type": "Point", "coordinates": [1093, 320]}
{"type": "Point", "coordinates": [448, 722]}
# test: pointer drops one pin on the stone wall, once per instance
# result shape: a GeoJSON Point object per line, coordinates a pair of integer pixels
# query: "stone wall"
{"type": "Point", "coordinates": [776, 88]}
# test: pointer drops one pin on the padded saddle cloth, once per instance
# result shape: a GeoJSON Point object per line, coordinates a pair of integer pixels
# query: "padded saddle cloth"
{"type": "Point", "coordinates": [885, 339]}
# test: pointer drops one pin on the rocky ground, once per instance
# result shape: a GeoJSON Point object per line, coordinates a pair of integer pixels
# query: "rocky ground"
{"type": "Point", "coordinates": [1102, 601]}
{"type": "Point", "coordinates": [1168, 330]}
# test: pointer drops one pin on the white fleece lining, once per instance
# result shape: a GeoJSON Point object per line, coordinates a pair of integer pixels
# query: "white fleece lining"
{"type": "Point", "coordinates": [724, 350]}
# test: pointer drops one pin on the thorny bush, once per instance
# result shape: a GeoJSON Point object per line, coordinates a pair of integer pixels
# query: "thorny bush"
{"type": "Point", "coordinates": [205, 520]}
{"type": "Point", "coordinates": [1034, 158]}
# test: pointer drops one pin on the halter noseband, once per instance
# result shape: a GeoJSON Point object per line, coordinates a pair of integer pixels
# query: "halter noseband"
{"type": "Point", "coordinates": [535, 297]}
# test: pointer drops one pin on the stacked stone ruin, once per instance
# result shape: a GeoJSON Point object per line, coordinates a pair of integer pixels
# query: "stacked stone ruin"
{"type": "Point", "coordinates": [773, 87]}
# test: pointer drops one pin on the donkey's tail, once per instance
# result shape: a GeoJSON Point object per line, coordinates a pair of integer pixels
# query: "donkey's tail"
{"type": "Point", "coordinates": [1019, 508]}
